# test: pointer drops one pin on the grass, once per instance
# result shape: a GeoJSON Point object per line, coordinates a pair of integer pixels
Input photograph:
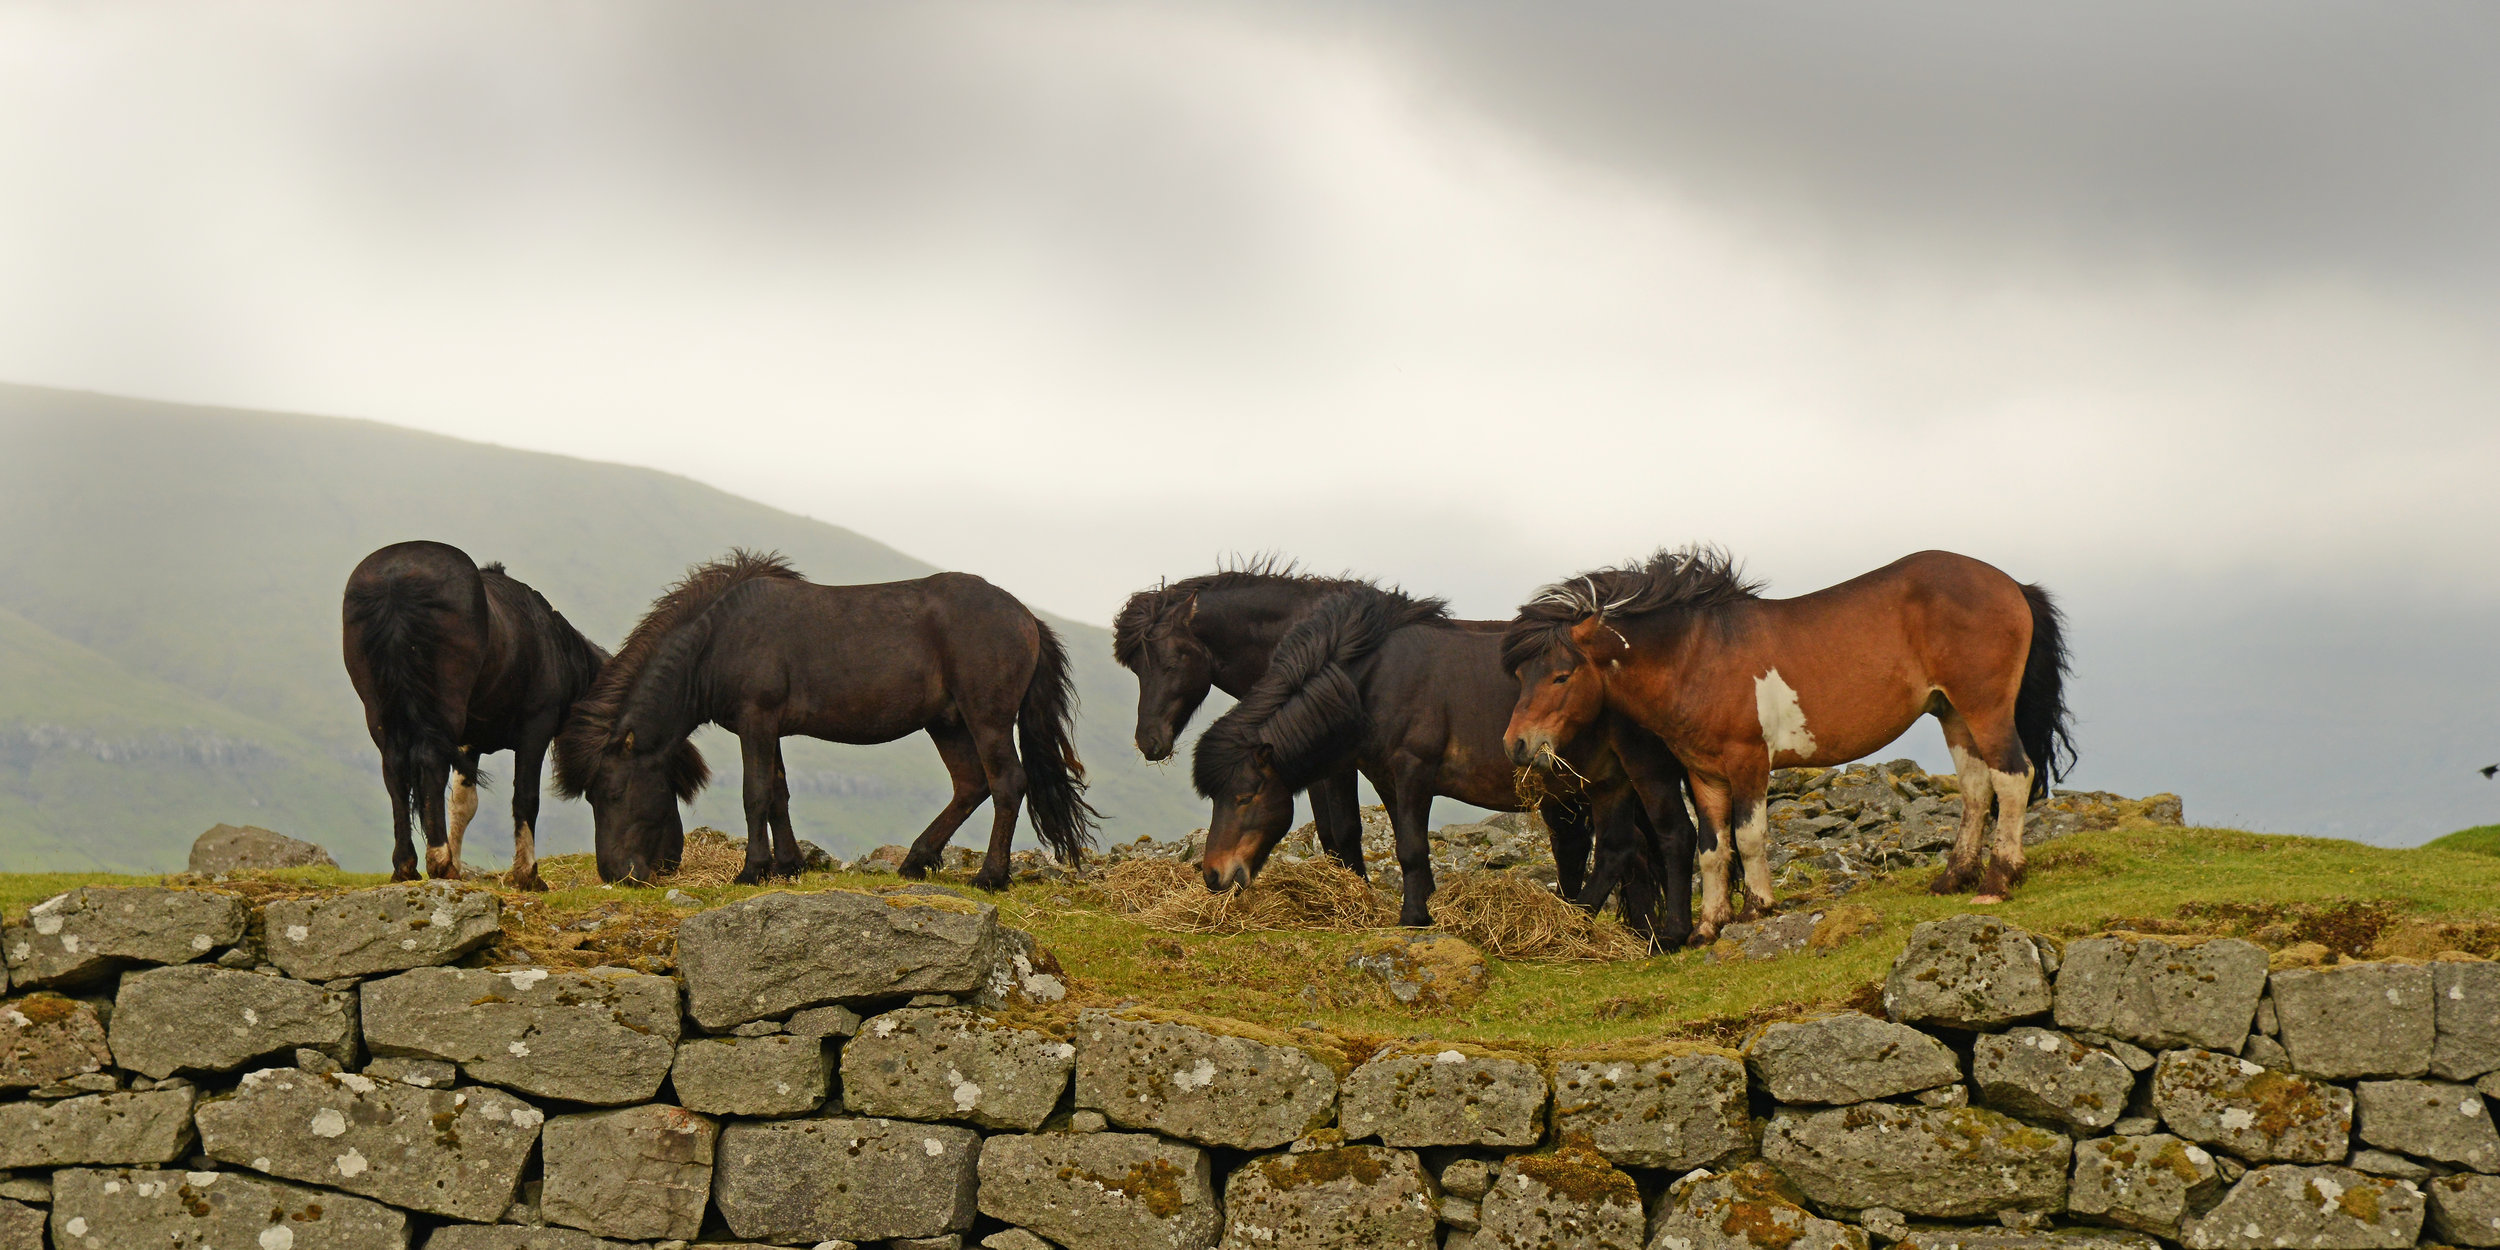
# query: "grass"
{"type": "Point", "coordinates": [2479, 840]}
{"type": "Point", "coordinates": [2276, 890]}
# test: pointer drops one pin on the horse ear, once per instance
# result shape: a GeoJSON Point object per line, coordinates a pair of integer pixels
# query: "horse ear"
{"type": "Point", "coordinates": [1189, 611]}
{"type": "Point", "coordinates": [629, 740]}
{"type": "Point", "coordinates": [1602, 643]}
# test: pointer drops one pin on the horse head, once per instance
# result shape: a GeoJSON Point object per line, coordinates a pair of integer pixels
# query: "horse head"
{"type": "Point", "coordinates": [1175, 670]}
{"type": "Point", "coordinates": [1253, 808]}
{"type": "Point", "coordinates": [633, 788]}
{"type": "Point", "coordinates": [1562, 687]}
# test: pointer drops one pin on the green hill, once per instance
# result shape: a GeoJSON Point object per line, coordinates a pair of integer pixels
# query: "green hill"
{"type": "Point", "coordinates": [169, 598]}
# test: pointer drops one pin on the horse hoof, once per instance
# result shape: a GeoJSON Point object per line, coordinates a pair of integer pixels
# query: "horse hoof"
{"type": "Point", "coordinates": [1415, 920]}
{"type": "Point", "coordinates": [994, 884]}
{"type": "Point", "coordinates": [1949, 882]}
{"type": "Point", "coordinates": [527, 879]}
{"type": "Point", "coordinates": [403, 874]}
{"type": "Point", "coordinates": [1984, 899]}
{"type": "Point", "coordinates": [749, 876]}
{"type": "Point", "coordinates": [913, 870]}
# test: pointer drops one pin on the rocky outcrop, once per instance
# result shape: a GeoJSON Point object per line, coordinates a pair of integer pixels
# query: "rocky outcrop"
{"type": "Point", "coordinates": [603, 1036]}
{"type": "Point", "coordinates": [250, 848]}
{"type": "Point", "coordinates": [1445, 1096]}
{"type": "Point", "coordinates": [387, 929]}
{"type": "Point", "coordinates": [1244, 1087]}
{"type": "Point", "coordinates": [775, 953]}
{"type": "Point", "coordinates": [92, 932]}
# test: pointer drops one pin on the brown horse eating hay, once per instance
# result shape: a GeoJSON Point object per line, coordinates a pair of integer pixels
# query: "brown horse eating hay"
{"type": "Point", "coordinates": [1737, 685]}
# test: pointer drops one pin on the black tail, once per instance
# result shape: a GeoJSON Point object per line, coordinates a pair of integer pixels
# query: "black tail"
{"type": "Point", "coordinates": [2040, 716]}
{"type": "Point", "coordinates": [398, 624]}
{"type": "Point", "coordinates": [1054, 777]}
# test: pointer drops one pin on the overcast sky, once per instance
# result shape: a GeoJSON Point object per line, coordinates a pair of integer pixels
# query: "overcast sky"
{"type": "Point", "coordinates": [2158, 303]}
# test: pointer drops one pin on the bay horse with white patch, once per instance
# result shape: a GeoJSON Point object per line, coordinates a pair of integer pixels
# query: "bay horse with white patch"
{"type": "Point", "coordinates": [747, 644]}
{"type": "Point", "coordinates": [454, 661]}
{"type": "Point", "coordinates": [1736, 685]}
{"type": "Point", "coordinates": [1371, 679]}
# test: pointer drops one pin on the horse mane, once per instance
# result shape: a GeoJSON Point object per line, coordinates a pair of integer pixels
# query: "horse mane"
{"type": "Point", "coordinates": [1143, 609]}
{"type": "Point", "coordinates": [647, 653]}
{"type": "Point", "coordinates": [1308, 706]}
{"type": "Point", "coordinates": [1700, 578]}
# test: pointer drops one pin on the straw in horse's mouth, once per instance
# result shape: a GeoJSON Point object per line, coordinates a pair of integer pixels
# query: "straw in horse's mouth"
{"type": "Point", "coordinates": [1534, 781]}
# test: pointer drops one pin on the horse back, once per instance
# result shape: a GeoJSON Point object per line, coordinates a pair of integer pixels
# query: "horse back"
{"type": "Point", "coordinates": [871, 663]}
{"type": "Point", "coordinates": [1437, 693]}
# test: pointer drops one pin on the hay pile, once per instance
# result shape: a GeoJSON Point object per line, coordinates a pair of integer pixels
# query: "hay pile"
{"type": "Point", "coordinates": [1511, 917]}
{"type": "Point", "coordinates": [1312, 894]}
{"type": "Point", "coordinates": [1499, 913]}
{"type": "Point", "coordinates": [712, 858]}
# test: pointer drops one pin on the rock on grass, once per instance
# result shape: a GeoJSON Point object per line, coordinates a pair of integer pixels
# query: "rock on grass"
{"type": "Point", "coordinates": [768, 955]}
{"type": "Point", "coordinates": [1968, 972]}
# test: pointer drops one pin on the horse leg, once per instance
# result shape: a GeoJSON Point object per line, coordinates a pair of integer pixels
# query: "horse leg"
{"type": "Point", "coordinates": [1710, 802]}
{"type": "Point", "coordinates": [463, 800]}
{"type": "Point", "coordinates": [1007, 782]}
{"type": "Point", "coordinates": [1337, 810]}
{"type": "Point", "coordinates": [1751, 819]}
{"type": "Point", "coordinates": [963, 764]}
{"type": "Point", "coordinates": [787, 860]}
{"type": "Point", "coordinates": [759, 753]}
{"type": "Point", "coordinates": [529, 759]}
{"type": "Point", "coordinates": [2009, 776]}
{"type": "Point", "coordinates": [431, 783]}
{"type": "Point", "coordinates": [1409, 811]}
{"type": "Point", "coordinates": [403, 853]}
{"type": "Point", "coordinates": [1961, 864]}
{"type": "Point", "coordinates": [1659, 781]}
{"type": "Point", "coordinates": [1568, 830]}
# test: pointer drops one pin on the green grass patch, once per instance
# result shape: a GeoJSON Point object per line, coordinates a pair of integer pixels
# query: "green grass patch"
{"type": "Point", "coordinates": [2479, 840]}
{"type": "Point", "coordinates": [2275, 890]}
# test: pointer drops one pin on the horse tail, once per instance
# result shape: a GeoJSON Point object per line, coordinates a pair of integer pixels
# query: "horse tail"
{"type": "Point", "coordinates": [2041, 718]}
{"type": "Point", "coordinates": [1054, 776]}
{"type": "Point", "coordinates": [398, 623]}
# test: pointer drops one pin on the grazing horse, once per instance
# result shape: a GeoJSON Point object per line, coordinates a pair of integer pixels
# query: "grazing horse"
{"type": "Point", "coordinates": [1736, 685]}
{"type": "Point", "coordinates": [1216, 631]}
{"type": "Point", "coordinates": [747, 644]}
{"type": "Point", "coordinates": [1415, 701]}
{"type": "Point", "coordinates": [452, 662]}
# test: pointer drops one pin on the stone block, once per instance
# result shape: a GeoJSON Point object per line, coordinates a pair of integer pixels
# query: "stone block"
{"type": "Point", "coordinates": [1571, 1197]}
{"type": "Point", "coordinates": [1968, 972]}
{"type": "Point", "coordinates": [2284, 1207]}
{"type": "Point", "coordinates": [2464, 1209]}
{"type": "Point", "coordinates": [96, 1209]}
{"type": "Point", "coordinates": [422, 1073]}
{"type": "Point", "coordinates": [385, 929]}
{"type": "Point", "coordinates": [1444, 1095]}
{"type": "Point", "coordinates": [1746, 1208]}
{"type": "Point", "coordinates": [2435, 1120]}
{"type": "Point", "coordinates": [46, 1039]}
{"type": "Point", "coordinates": [455, 1153]}
{"type": "Point", "coordinates": [1423, 969]}
{"type": "Point", "coordinates": [95, 931]}
{"type": "Point", "coordinates": [131, 1128]}
{"type": "Point", "coordinates": [774, 953]}
{"type": "Point", "coordinates": [1847, 1057]}
{"type": "Point", "coordinates": [640, 1174]}
{"type": "Point", "coordinates": [516, 1237]}
{"type": "Point", "coordinates": [762, 1077]}
{"type": "Point", "coordinates": [955, 1063]}
{"type": "Point", "coordinates": [833, 1021]}
{"type": "Point", "coordinates": [1209, 1081]}
{"type": "Point", "coordinates": [2161, 992]}
{"type": "Point", "coordinates": [603, 1036]}
{"type": "Point", "coordinates": [1946, 1162]}
{"type": "Point", "coordinates": [787, 1181]}
{"type": "Point", "coordinates": [1347, 1198]}
{"type": "Point", "coordinates": [2148, 1183]}
{"type": "Point", "coordinates": [1675, 1107]}
{"type": "Point", "coordinates": [2466, 1016]}
{"type": "Point", "coordinates": [2016, 1239]}
{"type": "Point", "coordinates": [203, 1018]}
{"type": "Point", "coordinates": [2228, 1102]}
{"type": "Point", "coordinates": [2357, 1019]}
{"type": "Point", "coordinates": [2044, 1075]}
{"type": "Point", "coordinates": [21, 1226]}
{"type": "Point", "coordinates": [1102, 1191]}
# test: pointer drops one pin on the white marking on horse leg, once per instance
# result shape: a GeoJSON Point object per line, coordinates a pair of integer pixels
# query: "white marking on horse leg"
{"type": "Point", "coordinates": [463, 810]}
{"type": "Point", "coordinates": [1783, 721]}
{"type": "Point", "coordinates": [1753, 842]}
{"type": "Point", "coordinates": [1714, 906]}
{"type": "Point", "coordinates": [2005, 855]}
{"type": "Point", "coordinates": [524, 853]}
{"type": "Point", "coordinates": [1972, 772]}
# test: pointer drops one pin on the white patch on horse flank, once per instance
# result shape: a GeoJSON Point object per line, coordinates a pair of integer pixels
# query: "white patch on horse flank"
{"type": "Point", "coordinates": [1783, 721]}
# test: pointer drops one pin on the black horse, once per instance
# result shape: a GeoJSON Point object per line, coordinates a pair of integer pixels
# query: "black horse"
{"type": "Point", "coordinates": [454, 661]}
{"type": "Point", "coordinates": [1216, 631]}
{"type": "Point", "coordinates": [1417, 702]}
{"type": "Point", "coordinates": [747, 644]}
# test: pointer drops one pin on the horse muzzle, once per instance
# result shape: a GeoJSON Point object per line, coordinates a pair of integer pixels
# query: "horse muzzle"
{"type": "Point", "coordinates": [1234, 877]}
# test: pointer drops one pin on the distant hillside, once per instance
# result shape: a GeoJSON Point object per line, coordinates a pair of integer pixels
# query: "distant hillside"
{"type": "Point", "coordinates": [169, 599]}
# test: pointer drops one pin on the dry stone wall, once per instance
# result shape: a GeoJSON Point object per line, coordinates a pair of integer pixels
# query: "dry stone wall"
{"type": "Point", "coordinates": [843, 1070]}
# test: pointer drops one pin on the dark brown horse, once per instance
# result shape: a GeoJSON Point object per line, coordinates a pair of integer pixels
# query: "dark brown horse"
{"type": "Point", "coordinates": [747, 644]}
{"type": "Point", "coordinates": [1736, 685]}
{"type": "Point", "coordinates": [1216, 631]}
{"type": "Point", "coordinates": [453, 662]}
{"type": "Point", "coordinates": [1416, 702]}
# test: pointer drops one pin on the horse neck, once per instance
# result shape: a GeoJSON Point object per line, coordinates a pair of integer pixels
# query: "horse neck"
{"type": "Point", "coordinates": [670, 695]}
{"type": "Point", "coordinates": [1241, 627]}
